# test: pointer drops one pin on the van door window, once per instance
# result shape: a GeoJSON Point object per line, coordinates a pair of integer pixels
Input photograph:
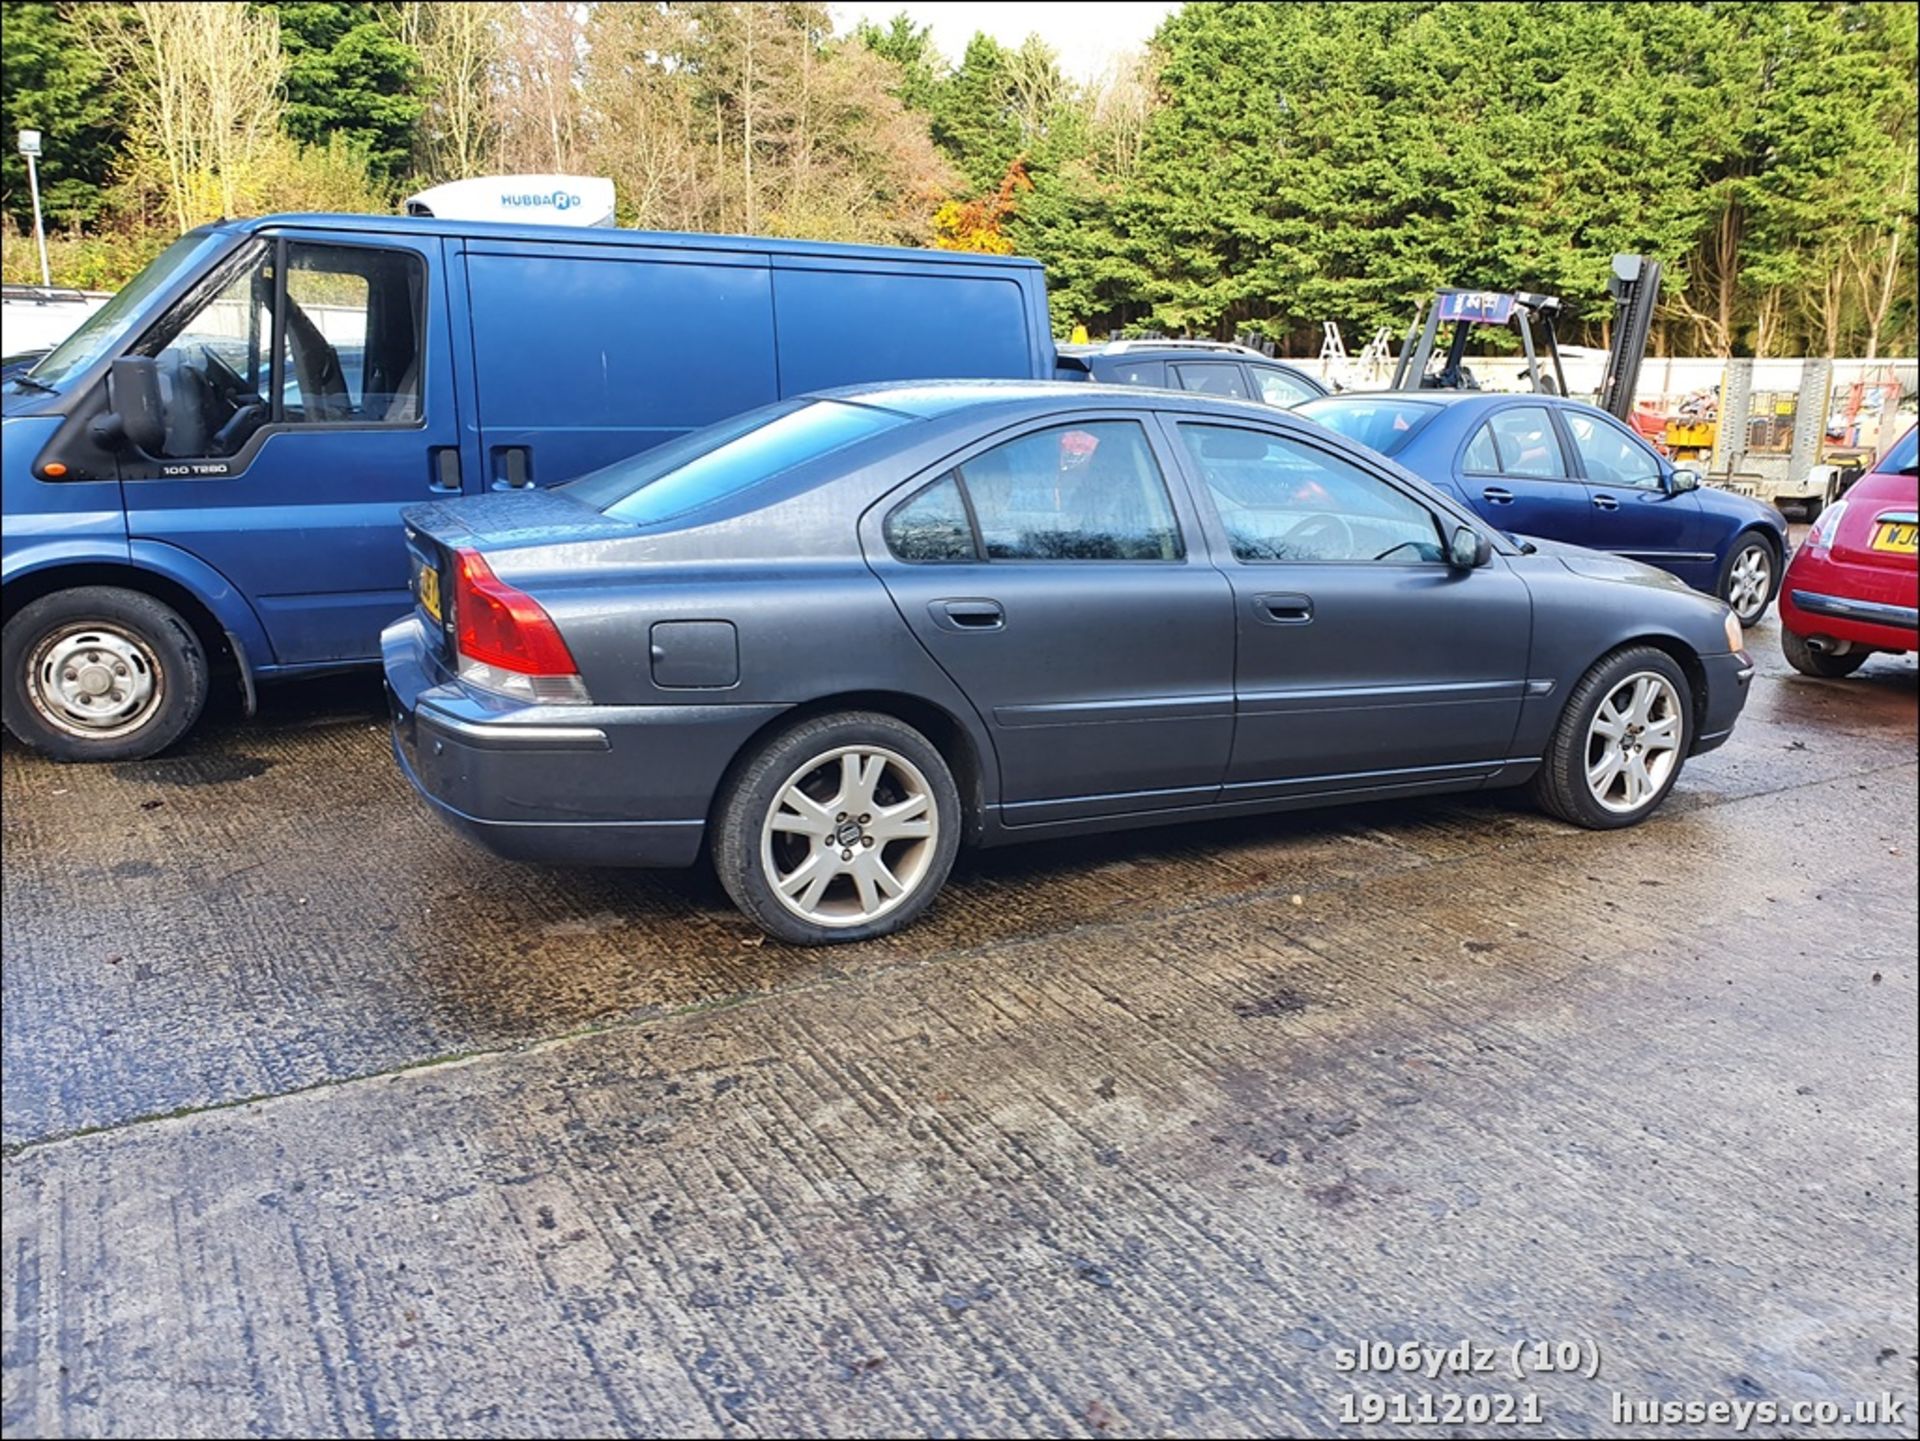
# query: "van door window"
{"type": "Point", "coordinates": [350, 332]}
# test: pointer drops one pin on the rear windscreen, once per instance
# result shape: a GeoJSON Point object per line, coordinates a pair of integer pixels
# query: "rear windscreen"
{"type": "Point", "coordinates": [1904, 458]}
{"type": "Point", "coordinates": [1379, 422]}
{"type": "Point", "coordinates": [727, 458]}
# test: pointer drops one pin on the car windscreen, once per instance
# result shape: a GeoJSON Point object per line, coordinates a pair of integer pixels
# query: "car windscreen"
{"type": "Point", "coordinates": [726, 458]}
{"type": "Point", "coordinates": [111, 321]}
{"type": "Point", "coordinates": [1379, 422]}
{"type": "Point", "coordinates": [1904, 458]}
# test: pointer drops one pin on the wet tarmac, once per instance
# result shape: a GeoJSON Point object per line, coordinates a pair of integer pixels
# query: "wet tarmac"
{"type": "Point", "coordinates": [319, 1121]}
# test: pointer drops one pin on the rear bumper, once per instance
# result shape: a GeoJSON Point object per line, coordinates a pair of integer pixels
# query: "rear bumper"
{"type": "Point", "coordinates": [1729, 683]}
{"type": "Point", "coordinates": [1864, 622]}
{"type": "Point", "coordinates": [568, 785]}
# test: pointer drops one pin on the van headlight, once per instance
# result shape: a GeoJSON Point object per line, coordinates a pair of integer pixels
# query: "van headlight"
{"type": "Point", "coordinates": [1736, 634]}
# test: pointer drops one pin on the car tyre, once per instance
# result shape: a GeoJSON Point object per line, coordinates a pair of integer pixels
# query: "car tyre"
{"type": "Point", "coordinates": [1749, 579]}
{"type": "Point", "coordinates": [841, 828]}
{"type": "Point", "coordinates": [1822, 665]}
{"type": "Point", "coordinates": [1635, 703]}
{"type": "Point", "coordinates": [99, 673]}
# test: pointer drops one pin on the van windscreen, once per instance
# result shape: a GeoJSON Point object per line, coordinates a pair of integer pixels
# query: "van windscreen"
{"type": "Point", "coordinates": [724, 459]}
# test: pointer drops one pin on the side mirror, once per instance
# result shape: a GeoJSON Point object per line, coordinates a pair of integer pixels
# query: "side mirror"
{"type": "Point", "coordinates": [1468, 549]}
{"type": "Point", "coordinates": [133, 390]}
{"type": "Point", "coordinates": [1682, 479]}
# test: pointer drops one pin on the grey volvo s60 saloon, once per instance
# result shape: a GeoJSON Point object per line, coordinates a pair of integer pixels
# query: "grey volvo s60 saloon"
{"type": "Point", "coordinates": [836, 638]}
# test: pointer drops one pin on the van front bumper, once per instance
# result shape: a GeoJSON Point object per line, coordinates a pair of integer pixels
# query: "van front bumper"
{"type": "Point", "coordinates": [559, 784]}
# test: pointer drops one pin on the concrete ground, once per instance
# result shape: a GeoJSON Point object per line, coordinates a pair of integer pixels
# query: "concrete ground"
{"type": "Point", "coordinates": [318, 1121]}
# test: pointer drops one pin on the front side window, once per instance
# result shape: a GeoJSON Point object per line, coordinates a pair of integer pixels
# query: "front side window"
{"type": "Point", "coordinates": [1212, 378]}
{"type": "Point", "coordinates": [1527, 445]}
{"type": "Point", "coordinates": [1610, 455]}
{"type": "Point", "coordinates": [350, 329]}
{"type": "Point", "coordinates": [1071, 492]}
{"type": "Point", "coordinates": [1280, 500]}
{"type": "Point", "coordinates": [1279, 388]}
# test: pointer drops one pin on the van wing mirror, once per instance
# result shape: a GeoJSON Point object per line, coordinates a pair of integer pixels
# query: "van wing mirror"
{"type": "Point", "coordinates": [1468, 549]}
{"type": "Point", "coordinates": [133, 390]}
{"type": "Point", "coordinates": [1682, 479]}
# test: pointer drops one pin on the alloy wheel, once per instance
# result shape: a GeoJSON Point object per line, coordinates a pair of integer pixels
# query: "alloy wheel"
{"type": "Point", "coordinates": [1747, 585]}
{"type": "Point", "coordinates": [850, 836]}
{"type": "Point", "coordinates": [1633, 743]}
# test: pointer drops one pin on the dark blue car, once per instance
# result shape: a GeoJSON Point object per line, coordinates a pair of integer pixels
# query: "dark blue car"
{"type": "Point", "coordinates": [1540, 465]}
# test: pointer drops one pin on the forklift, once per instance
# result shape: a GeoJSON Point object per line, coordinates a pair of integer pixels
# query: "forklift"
{"type": "Point", "coordinates": [1634, 286]}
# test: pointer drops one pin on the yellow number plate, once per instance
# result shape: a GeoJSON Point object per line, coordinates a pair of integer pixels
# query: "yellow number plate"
{"type": "Point", "coordinates": [1898, 536]}
{"type": "Point", "coordinates": [427, 582]}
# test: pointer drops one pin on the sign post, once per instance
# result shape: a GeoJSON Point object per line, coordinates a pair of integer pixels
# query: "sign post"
{"type": "Point", "coordinates": [30, 147]}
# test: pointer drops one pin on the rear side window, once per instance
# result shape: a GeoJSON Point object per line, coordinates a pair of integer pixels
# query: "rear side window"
{"type": "Point", "coordinates": [1380, 423]}
{"type": "Point", "coordinates": [933, 526]}
{"type": "Point", "coordinates": [1070, 492]}
{"type": "Point", "coordinates": [1527, 444]}
{"type": "Point", "coordinates": [1212, 378]}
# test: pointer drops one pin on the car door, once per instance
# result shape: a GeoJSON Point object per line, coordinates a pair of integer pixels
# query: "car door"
{"type": "Point", "coordinates": [1364, 660]}
{"type": "Point", "coordinates": [308, 396]}
{"type": "Point", "coordinates": [1634, 513]}
{"type": "Point", "coordinates": [1049, 573]}
{"type": "Point", "coordinates": [1514, 472]}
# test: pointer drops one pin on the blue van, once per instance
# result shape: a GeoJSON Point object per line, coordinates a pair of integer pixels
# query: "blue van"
{"type": "Point", "coordinates": [205, 480]}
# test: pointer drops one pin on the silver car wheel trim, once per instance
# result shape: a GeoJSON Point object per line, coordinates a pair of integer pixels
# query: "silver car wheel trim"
{"type": "Point", "coordinates": [94, 681]}
{"type": "Point", "coordinates": [1634, 742]}
{"type": "Point", "coordinates": [850, 836]}
{"type": "Point", "coordinates": [1747, 586]}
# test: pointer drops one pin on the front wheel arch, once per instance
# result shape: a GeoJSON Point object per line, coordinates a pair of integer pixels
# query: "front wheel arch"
{"type": "Point", "coordinates": [216, 643]}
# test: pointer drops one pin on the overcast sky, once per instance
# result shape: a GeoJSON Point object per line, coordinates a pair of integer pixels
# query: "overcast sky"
{"type": "Point", "coordinates": [1087, 36]}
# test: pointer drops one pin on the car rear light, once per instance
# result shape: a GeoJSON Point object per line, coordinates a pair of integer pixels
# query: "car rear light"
{"type": "Point", "coordinates": [1820, 538]}
{"type": "Point", "coordinates": [505, 642]}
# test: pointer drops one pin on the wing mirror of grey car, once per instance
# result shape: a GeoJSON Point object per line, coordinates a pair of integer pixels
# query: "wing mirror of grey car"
{"type": "Point", "coordinates": [133, 390]}
{"type": "Point", "coordinates": [1468, 549]}
{"type": "Point", "coordinates": [1682, 479]}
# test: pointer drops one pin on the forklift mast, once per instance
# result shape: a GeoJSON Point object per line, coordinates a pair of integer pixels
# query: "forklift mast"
{"type": "Point", "coordinates": [1635, 288]}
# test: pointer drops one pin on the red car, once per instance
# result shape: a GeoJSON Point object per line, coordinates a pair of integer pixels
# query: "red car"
{"type": "Point", "coordinates": [1854, 587]}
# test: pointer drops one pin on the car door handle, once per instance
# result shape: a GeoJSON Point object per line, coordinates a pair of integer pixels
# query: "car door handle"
{"type": "Point", "coordinates": [1605, 502]}
{"type": "Point", "coordinates": [1497, 495]}
{"type": "Point", "coordinates": [1283, 609]}
{"type": "Point", "coordinates": [968, 614]}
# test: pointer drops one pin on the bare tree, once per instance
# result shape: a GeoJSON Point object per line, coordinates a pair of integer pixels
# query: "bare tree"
{"type": "Point", "coordinates": [202, 81]}
{"type": "Point", "coordinates": [459, 46]}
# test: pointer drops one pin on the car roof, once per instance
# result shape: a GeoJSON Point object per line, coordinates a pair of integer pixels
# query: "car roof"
{"type": "Point", "coordinates": [934, 399]}
{"type": "Point", "coordinates": [1174, 350]}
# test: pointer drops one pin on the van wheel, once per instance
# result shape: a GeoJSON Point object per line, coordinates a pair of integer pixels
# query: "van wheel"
{"type": "Point", "coordinates": [98, 673]}
{"type": "Point", "coordinates": [841, 829]}
{"type": "Point", "coordinates": [1620, 743]}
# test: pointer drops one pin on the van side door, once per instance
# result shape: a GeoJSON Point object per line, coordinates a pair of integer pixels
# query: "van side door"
{"type": "Point", "coordinates": [584, 354]}
{"type": "Point", "coordinates": [307, 393]}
